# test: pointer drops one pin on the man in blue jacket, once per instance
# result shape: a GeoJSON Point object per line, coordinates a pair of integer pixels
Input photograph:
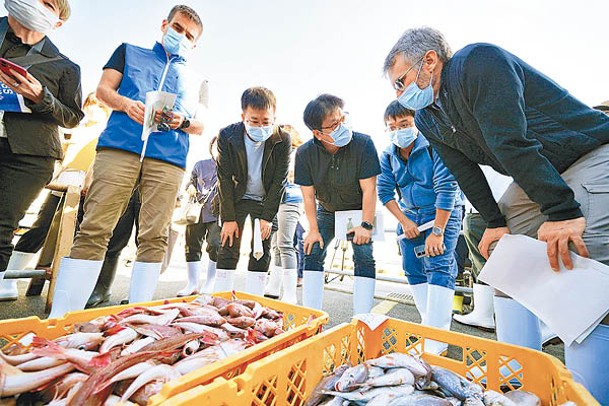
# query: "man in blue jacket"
{"type": "Point", "coordinates": [130, 73]}
{"type": "Point", "coordinates": [483, 105]}
{"type": "Point", "coordinates": [426, 191]}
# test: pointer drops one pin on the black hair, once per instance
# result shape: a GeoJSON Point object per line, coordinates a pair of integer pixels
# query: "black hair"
{"type": "Point", "coordinates": [395, 110]}
{"type": "Point", "coordinates": [319, 108]}
{"type": "Point", "coordinates": [258, 98]}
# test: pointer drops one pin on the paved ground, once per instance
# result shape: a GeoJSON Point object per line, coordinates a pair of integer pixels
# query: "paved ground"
{"type": "Point", "coordinates": [393, 299]}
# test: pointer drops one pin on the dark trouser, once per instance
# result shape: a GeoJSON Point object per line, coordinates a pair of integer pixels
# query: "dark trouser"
{"type": "Point", "coordinates": [299, 245]}
{"type": "Point", "coordinates": [22, 177]}
{"type": "Point", "coordinates": [196, 234]}
{"type": "Point", "coordinates": [362, 254]}
{"type": "Point", "coordinates": [228, 256]}
{"type": "Point", "coordinates": [124, 228]}
{"type": "Point", "coordinates": [33, 240]}
{"type": "Point", "coordinates": [473, 228]}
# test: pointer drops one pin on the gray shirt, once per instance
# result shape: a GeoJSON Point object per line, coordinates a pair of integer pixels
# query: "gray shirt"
{"type": "Point", "coordinates": [255, 152]}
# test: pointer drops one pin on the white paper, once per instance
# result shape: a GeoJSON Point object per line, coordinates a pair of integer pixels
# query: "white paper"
{"type": "Point", "coordinates": [372, 320]}
{"type": "Point", "coordinates": [11, 101]}
{"type": "Point", "coordinates": [347, 219]}
{"type": "Point", "coordinates": [571, 303]}
{"type": "Point", "coordinates": [421, 228]}
{"type": "Point", "coordinates": [258, 252]}
{"type": "Point", "coordinates": [155, 100]}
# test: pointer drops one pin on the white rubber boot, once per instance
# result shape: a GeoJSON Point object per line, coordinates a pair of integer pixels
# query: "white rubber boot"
{"type": "Point", "coordinates": [363, 294]}
{"type": "Point", "coordinates": [75, 282]}
{"type": "Point", "coordinates": [516, 324]}
{"type": "Point", "coordinates": [483, 313]}
{"type": "Point", "coordinates": [17, 262]}
{"type": "Point", "coordinates": [273, 287]}
{"type": "Point", "coordinates": [438, 314]}
{"type": "Point", "coordinates": [194, 273]}
{"type": "Point", "coordinates": [289, 281]}
{"type": "Point", "coordinates": [254, 283]}
{"type": "Point", "coordinates": [225, 280]}
{"type": "Point", "coordinates": [144, 278]}
{"type": "Point", "coordinates": [419, 294]}
{"type": "Point", "coordinates": [313, 289]}
{"type": "Point", "coordinates": [208, 287]}
{"type": "Point", "coordinates": [588, 363]}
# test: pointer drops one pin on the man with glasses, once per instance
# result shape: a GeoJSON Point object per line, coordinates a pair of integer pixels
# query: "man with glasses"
{"type": "Point", "coordinates": [338, 167]}
{"type": "Point", "coordinates": [484, 105]}
{"type": "Point", "coordinates": [130, 73]}
{"type": "Point", "coordinates": [253, 160]}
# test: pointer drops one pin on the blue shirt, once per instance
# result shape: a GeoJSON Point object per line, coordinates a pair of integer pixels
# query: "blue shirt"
{"type": "Point", "coordinates": [254, 151]}
{"type": "Point", "coordinates": [425, 184]}
{"type": "Point", "coordinates": [204, 178]}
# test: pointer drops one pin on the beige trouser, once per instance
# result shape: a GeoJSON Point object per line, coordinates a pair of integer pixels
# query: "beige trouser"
{"type": "Point", "coordinates": [115, 174]}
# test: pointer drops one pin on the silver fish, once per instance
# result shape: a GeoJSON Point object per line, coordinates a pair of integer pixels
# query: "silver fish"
{"type": "Point", "coordinates": [492, 398]}
{"type": "Point", "coordinates": [455, 385]}
{"type": "Point", "coordinates": [352, 377]}
{"type": "Point", "coordinates": [420, 399]}
{"type": "Point", "coordinates": [326, 383]}
{"type": "Point", "coordinates": [523, 398]}
{"type": "Point", "coordinates": [393, 377]}
{"type": "Point", "coordinates": [419, 368]}
{"type": "Point", "coordinates": [473, 402]}
{"type": "Point", "coordinates": [367, 395]}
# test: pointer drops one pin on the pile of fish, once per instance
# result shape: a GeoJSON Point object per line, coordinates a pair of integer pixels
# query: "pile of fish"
{"type": "Point", "coordinates": [127, 357]}
{"type": "Point", "coordinates": [403, 380]}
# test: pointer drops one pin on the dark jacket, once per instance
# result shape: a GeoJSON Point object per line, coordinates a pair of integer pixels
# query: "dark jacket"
{"type": "Point", "coordinates": [232, 170]}
{"type": "Point", "coordinates": [38, 133]}
{"type": "Point", "coordinates": [495, 109]}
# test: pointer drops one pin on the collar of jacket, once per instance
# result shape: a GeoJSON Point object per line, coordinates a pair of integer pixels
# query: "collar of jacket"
{"type": "Point", "coordinates": [160, 51]}
{"type": "Point", "coordinates": [45, 46]}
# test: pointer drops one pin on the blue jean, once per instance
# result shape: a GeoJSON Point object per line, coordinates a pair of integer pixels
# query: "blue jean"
{"type": "Point", "coordinates": [299, 246]}
{"type": "Point", "coordinates": [362, 254]}
{"type": "Point", "coordinates": [440, 270]}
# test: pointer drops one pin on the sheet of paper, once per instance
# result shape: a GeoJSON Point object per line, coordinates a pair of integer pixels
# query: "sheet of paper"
{"type": "Point", "coordinates": [372, 320]}
{"type": "Point", "coordinates": [347, 219]}
{"type": "Point", "coordinates": [258, 250]}
{"type": "Point", "coordinates": [421, 228]}
{"type": "Point", "coordinates": [571, 303]}
{"type": "Point", "coordinates": [11, 101]}
{"type": "Point", "coordinates": [155, 100]}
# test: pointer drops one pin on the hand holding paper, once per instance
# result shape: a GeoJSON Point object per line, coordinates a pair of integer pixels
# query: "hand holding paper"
{"type": "Point", "coordinates": [572, 303]}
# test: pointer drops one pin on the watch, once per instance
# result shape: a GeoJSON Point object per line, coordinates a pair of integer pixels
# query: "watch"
{"type": "Point", "coordinates": [437, 231]}
{"type": "Point", "coordinates": [185, 124]}
{"type": "Point", "coordinates": [367, 226]}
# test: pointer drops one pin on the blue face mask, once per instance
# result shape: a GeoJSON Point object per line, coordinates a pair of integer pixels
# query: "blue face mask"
{"type": "Point", "coordinates": [415, 98]}
{"type": "Point", "coordinates": [259, 134]}
{"type": "Point", "coordinates": [176, 44]}
{"type": "Point", "coordinates": [342, 135]}
{"type": "Point", "coordinates": [403, 137]}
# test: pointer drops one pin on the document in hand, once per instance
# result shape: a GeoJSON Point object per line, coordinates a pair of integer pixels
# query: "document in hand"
{"type": "Point", "coordinates": [155, 101]}
{"type": "Point", "coordinates": [571, 303]}
{"type": "Point", "coordinates": [347, 219]}
{"type": "Point", "coordinates": [11, 101]}
{"type": "Point", "coordinates": [258, 251]}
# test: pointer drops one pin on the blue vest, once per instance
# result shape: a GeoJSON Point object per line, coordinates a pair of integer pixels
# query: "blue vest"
{"type": "Point", "coordinates": [143, 71]}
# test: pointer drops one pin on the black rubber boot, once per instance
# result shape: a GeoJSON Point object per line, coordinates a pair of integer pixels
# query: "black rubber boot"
{"type": "Point", "coordinates": [101, 292]}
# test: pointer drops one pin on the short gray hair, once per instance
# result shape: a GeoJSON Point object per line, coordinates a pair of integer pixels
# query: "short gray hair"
{"type": "Point", "coordinates": [413, 44]}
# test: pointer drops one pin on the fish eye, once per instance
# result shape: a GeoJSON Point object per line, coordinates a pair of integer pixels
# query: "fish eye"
{"type": "Point", "coordinates": [82, 347]}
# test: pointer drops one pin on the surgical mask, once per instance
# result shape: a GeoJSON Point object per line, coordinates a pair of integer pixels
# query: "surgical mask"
{"type": "Point", "coordinates": [342, 135]}
{"type": "Point", "coordinates": [415, 98]}
{"type": "Point", "coordinates": [176, 44]}
{"type": "Point", "coordinates": [259, 134]}
{"type": "Point", "coordinates": [403, 137]}
{"type": "Point", "coordinates": [32, 15]}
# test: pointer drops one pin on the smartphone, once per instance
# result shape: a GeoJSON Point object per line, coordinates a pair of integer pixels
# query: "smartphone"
{"type": "Point", "coordinates": [351, 235]}
{"type": "Point", "coordinates": [419, 250]}
{"type": "Point", "coordinates": [7, 66]}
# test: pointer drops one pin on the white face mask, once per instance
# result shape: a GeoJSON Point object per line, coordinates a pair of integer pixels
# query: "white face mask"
{"type": "Point", "coordinates": [32, 15]}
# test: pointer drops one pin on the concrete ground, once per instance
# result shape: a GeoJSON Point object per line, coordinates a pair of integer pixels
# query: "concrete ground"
{"type": "Point", "coordinates": [392, 299]}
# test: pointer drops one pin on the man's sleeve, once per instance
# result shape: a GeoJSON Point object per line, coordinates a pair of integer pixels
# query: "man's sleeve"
{"type": "Point", "coordinates": [275, 193]}
{"type": "Point", "coordinates": [302, 174]}
{"type": "Point", "coordinates": [117, 60]}
{"type": "Point", "coordinates": [493, 82]}
{"type": "Point", "coordinates": [225, 180]}
{"type": "Point", "coordinates": [370, 165]}
{"type": "Point", "coordinates": [385, 182]}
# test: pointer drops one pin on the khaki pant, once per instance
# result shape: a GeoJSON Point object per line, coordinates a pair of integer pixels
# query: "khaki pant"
{"type": "Point", "coordinates": [115, 174]}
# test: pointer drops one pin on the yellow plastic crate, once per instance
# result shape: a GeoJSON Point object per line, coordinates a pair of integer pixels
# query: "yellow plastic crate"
{"type": "Point", "coordinates": [299, 323]}
{"type": "Point", "coordinates": [288, 377]}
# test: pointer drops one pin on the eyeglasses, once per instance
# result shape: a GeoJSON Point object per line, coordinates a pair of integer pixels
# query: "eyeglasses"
{"type": "Point", "coordinates": [331, 128]}
{"type": "Point", "coordinates": [257, 124]}
{"type": "Point", "coordinates": [399, 82]}
{"type": "Point", "coordinates": [398, 127]}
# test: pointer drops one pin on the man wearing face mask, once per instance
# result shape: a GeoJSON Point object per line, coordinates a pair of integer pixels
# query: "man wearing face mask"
{"type": "Point", "coordinates": [253, 160]}
{"type": "Point", "coordinates": [130, 73]}
{"type": "Point", "coordinates": [338, 167]}
{"type": "Point", "coordinates": [29, 142]}
{"type": "Point", "coordinates": [484, 105]}
{"type": "Point", "coordinates": [426, 191]}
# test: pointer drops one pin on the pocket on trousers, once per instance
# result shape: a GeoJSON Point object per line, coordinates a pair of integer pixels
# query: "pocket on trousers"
{"type": "Point", "coordinates": [597, 216]}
